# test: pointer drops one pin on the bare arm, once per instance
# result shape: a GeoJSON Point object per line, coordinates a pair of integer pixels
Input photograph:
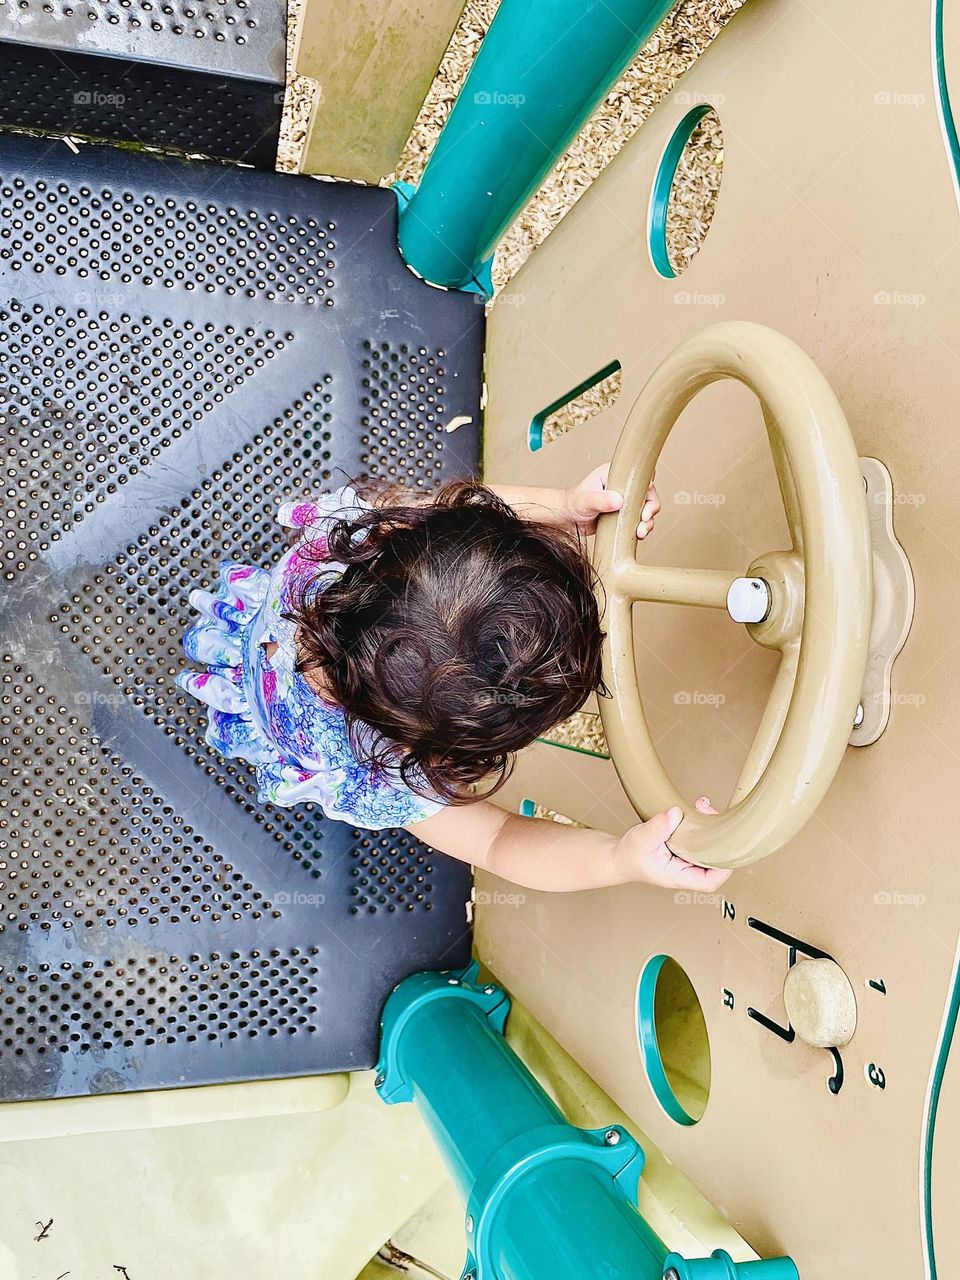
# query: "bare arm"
{"type": "Point", "coordinates": [536, 853]}
{"type": "Point", "coordinates": [546, 506]}
{"type": "Point", "coordinates": [574, 508]}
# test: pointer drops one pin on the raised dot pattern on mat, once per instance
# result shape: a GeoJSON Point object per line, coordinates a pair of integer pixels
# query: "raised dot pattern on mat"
{"type": "Point", "coordinates": [116, 236]}
{"type": "Point", "coordinates": [89, 398]}
{"type": "Point", "coordinates": [402, 413]}
{"type": "Point", "coordinates": [224, 21]}
{"type": "Point", "coordinates": [145, 997]}
{"type": "Point", "coordinates": [87, 845]}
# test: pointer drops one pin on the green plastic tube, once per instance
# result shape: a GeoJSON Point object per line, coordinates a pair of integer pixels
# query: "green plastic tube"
{"type": "Point", "coordinates": [541, 71]}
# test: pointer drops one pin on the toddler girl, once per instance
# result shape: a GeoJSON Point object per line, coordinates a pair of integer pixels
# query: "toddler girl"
{"type": "Point", "coordinates": [403, 650]}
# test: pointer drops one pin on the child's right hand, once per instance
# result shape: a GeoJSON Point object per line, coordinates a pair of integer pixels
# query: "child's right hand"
{"type": "Point", "coordinates": [644, 849]}
{"type": "Point", "coordinates": [591, 498]}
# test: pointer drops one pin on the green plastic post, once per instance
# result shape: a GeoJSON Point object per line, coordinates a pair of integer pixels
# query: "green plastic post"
{"type": "Point", "coordinates": [541, 71]}
{"type": "Point", "coordinates": [544, 1200]}
{"type": "Point", "coordinates": [720, 1266]}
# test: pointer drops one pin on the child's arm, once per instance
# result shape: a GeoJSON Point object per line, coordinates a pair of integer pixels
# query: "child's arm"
{"type": "Point", "coordinates": [576, 508]}
{"type": "Point", "coordinates": [539, 854]}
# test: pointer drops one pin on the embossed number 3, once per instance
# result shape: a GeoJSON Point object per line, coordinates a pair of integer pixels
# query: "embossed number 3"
{"type": "Point", "coordinates": [875, 1076]}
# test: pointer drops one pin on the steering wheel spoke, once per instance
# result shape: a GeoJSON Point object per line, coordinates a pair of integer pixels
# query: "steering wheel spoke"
{"type": "Point", "coordinates": [786, 481]}
{"type": "Point", "coordinates": [771, 723]}
{"type": "Point", "coordinates": [705, 587]}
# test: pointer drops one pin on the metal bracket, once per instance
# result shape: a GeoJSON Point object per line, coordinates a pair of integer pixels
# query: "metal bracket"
{"type": "Point", "coordinates": [415, 991]}
{"type": "Point", "coordinates": [612, 1149]}
{"type": "Point", "coordinates": [893, 601]}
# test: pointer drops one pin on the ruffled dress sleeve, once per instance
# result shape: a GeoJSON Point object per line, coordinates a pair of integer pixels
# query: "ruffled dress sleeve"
{"type": "Point", "coordinates": [359, 796]}
{"type": "Point", "coordinates": [313, 516]}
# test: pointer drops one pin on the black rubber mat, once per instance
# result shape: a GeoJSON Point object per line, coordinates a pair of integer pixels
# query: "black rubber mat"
{"type": "Point", "coordinates": [195, 75]}
{"type": "Point", "coordinates": [182, 345]}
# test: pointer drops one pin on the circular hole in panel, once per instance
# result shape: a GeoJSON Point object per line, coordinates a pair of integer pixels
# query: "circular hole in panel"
{"type": "Point", "coordinates": [685, 191]}
{"type": "Point", "coordinates": [672, 1035]}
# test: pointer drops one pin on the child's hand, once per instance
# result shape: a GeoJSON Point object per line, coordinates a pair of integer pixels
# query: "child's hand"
{"type": "Point", "coordinates": [645, 850]}
{"type": "Point", "coordinates": [591, 498]}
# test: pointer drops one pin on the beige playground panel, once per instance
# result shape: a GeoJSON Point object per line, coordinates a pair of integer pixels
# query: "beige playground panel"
{"type": "Point", "coordinates": [374, 61]}
{"type": "Point", "coordinates": [837, 225]}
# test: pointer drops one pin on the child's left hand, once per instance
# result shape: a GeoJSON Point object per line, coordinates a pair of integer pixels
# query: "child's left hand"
{"type": "Point", "coordinates": [591, 498]}
{"type": "Point", "coordinates": [652, 861]}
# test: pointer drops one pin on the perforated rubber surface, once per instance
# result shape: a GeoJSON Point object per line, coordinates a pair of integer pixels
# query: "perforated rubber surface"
{"type": "Point", "coordinates": [196, 75]}
{"type": "Point", "coordinates": [180, 346]}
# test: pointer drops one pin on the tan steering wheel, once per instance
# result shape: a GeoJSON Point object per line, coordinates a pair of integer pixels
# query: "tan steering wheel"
{"type": "Point", "coordinates": [813, 603]}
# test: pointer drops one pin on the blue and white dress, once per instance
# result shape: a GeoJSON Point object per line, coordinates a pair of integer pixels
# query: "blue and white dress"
{"type": "Point", "coordinates": [264, 711]}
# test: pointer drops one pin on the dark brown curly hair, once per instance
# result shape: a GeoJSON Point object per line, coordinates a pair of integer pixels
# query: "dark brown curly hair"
{"type": "Point", "coordinates": [458, 630]}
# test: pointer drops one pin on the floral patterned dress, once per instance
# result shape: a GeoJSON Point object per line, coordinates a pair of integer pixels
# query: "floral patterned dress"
{"type": "Point", "coordinates": [264, 711]}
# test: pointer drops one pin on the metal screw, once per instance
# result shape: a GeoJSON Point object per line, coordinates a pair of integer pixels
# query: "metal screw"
{"type": "Point", "coordinates": [611, 1138]}
{"type": "Point", "coordinates": [469, 1223]}
{"type": "Point", "coordinates": [380, 1081]}
{"type": "Point", "coordinates": [672, 1274]}
{"type": "Point", "coordinates": [858, 716]}
{"type": "Point", "coordinates": [488, 991]}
